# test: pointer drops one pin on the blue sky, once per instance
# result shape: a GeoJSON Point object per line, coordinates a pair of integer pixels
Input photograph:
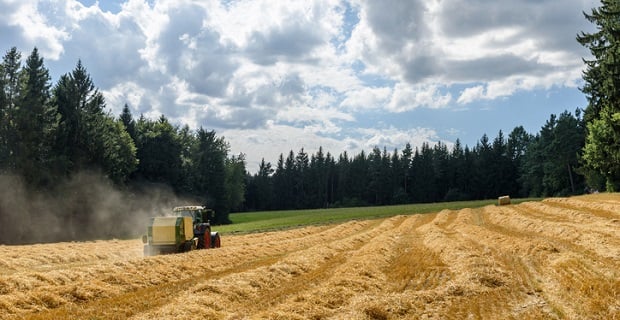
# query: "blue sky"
{"type": "Point", "coordinates": [271, 76]}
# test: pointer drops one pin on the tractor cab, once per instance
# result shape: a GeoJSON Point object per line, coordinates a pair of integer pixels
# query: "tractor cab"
{"type": "Point", "coordinates": [199, 214]}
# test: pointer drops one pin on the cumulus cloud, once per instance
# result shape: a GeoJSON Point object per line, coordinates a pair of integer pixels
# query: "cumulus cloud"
{"type": "Point", "coordinates": [283, 138]}
{"type": "Point", "coordinates": [458, 41]}
{"type": "Point", "coordinates": [410, 97]}
{"type": "Point", "coordinates": [367, 98]}
{"type": "Point", "coordinates": [470, 94]}
{"type": "Point", "coordinates": [300, 72]}
{"type": "Point", "coordinates": [275, 139]}
{"type": "Point", "coordinates": [394, 138]}
{"type": "Point", "coordinates": [26, 24]}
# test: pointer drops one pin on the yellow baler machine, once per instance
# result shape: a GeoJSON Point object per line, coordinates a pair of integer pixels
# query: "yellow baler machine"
{"type": "Point", "coordinates": [168, 235]}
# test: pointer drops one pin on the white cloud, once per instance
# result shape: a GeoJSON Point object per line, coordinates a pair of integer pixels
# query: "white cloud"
{"type": "Point", "coordinates": [306, 114]}
{"type": "Point", "coordinates": [406, 98]}
{"type": "Point", "coordinates": [273, 140]}
{"type": "Point", "coordinates": [394, 138]}
{"type": "Point", "coordinates": [367, 98]}
{"type": "Point", "coordinates": [35, 27]}
{"type": "Point", "coordinates": [418, 46]}
{"type": "Point", "coordinates": [304, 70]}
{"type": "Point", "coordinates": [471, 94]}
{"type": "Point", "coordinates": [471, 42]}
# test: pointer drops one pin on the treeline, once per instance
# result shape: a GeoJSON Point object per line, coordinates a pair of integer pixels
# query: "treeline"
{"type": "Point", "coordinates": [519, 165]}
{"type": "Point", "coordinates": [51, 133]}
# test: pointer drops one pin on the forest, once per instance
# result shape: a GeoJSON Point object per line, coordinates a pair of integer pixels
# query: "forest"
{"type": "Point", "coordinates": [52, 134]}
{"type": "Point", "coordinates": [520, 165]}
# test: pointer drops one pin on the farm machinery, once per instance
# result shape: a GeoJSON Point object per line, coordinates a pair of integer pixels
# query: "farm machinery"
{"type": "Point", "coordinates": [188, 228]}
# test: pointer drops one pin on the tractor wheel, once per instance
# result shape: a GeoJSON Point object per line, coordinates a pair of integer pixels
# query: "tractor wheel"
{"type": "Point", "coordinates": [204, 241]}
{"type": "Point", "coordinates": [215, 240]}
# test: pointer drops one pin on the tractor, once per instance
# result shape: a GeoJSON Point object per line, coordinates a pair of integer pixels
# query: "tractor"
{"type": "Point", "coordinates": [187, 229]}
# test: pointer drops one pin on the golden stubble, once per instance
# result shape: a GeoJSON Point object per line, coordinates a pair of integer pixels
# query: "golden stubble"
{"type": "Point", "coordinates": [559, 258]}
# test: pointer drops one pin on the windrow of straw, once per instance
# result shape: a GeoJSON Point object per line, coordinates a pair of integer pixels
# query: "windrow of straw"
{"type": "Point", "coordinates": [555, 259]}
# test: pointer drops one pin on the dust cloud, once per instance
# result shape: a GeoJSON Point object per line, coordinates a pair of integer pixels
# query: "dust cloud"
{"type": "Point", "coordinates": [86, 207]}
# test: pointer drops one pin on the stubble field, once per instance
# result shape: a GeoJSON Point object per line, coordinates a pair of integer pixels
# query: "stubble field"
{"type": "Point", "coordinates": [559, 258]}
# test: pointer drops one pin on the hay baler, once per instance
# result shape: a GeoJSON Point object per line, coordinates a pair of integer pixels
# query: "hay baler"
{"type": "Point", "coordinates": [187, 229]}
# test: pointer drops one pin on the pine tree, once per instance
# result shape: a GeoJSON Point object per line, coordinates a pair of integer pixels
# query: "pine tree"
{"type": "Point", "coordinates": [602, 88]}
{"type": "Point", "coordinates": [36, 122]}
{"type": "Point", "coordinates": [209, 173]}
{"type": "Point", "coordinates": [518, 142]}
{"type": "Point", "coordinates": [235, 181]}
{"type": "Point", "coordinates": [80, 106]}
{"type": "Point", "coordinates": [264, 185]}
{"type": "Point", "coordinates": [128, 121]}
{"type": "Point", "coordinates": [9, 83]}
{"type": "Point", "coordinates": [160, 152]}
{"type": "Point", "coordinates": [302, 164]}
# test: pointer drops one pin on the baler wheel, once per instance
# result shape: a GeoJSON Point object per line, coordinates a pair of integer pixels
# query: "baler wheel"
{"type": "Point", "coordinates": [188, 246]}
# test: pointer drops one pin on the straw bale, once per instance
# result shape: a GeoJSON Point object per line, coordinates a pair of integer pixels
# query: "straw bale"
{"type": "Point", "coordinates": [503, 200]}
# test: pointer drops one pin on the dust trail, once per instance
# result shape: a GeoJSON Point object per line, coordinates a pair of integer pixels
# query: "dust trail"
{"type": "Point", "coordinates": [86, 207]}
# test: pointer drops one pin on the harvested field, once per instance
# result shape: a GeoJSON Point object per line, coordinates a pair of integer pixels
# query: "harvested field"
{"type": "Point", "coordinates": [555, 259]}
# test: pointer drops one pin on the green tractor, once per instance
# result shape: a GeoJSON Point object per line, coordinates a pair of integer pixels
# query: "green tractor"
{"type": "Point", "coordinates": [187, 229]}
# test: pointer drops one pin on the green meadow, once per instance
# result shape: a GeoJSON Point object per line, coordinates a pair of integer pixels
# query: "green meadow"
{"type": "Point", "coordinates": [276, 220]}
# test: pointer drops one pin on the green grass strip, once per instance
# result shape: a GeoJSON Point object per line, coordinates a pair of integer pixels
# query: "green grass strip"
{"type": "Point", "coordinates": [248, 222]}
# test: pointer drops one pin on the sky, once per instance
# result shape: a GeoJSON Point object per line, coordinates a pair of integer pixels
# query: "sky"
{"type": "Point", "coordinates": [275, 76]}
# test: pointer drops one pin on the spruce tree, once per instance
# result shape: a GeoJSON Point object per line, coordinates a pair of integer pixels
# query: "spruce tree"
{"type": "Point", "coordinates": [602, 88]}
{"type": "Point", "coordinates": [36, 121]}
{"type": "Point", "coordinates": [9, 83]}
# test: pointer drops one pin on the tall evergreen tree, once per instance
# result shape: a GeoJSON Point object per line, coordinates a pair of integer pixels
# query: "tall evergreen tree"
{"type": "Point", "coordinates": [209, 173]}
{"type": "Point", "coordinates": [280, 185]}
{"type": "Point", "coordinates": [9, 83]}
{"type": "Point", "coordinates": [160, 152]}
{"type": "Point", "coordinates": [568, 139]}
{"type": "Point", "coordinates": [602, 88]}
{"type": "Point", "coordinates": [264, 185]}
{"type": "Point", "coordinates": [457, 174]}
{"type": "Point", "coordinates": [235, 182]}
{"type": "Point", "coordinates": [359, 180]}
{"type": "Point", "coordinates": [518, 142]}
{"type": "Point", "coordinates": [302, 164]}
{"type": "Point", "coordinates": [424, 184]}
{"type": "Point", "coordinates": [81, 108]}
{"type": "Point", "coordinates": [440, 160]}
{"type": "Point", "coordinates": [128, 121]}
{"type": "Point", "coordinates": [407, 153]}
{"type": "Point", "coordinates": [36, 122]}
{"type": "Point", "coordinates": [343, 179]}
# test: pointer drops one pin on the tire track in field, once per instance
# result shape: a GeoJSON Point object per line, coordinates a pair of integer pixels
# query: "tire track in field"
{"type": "Point", "coordinates": [594, 237]}
{"type": "Point", "coordinates": [484, 284]}
{"type": "Point", "coordinates": [88, 286]}
{"type": "Point", "coordinates": [247, 293]}
{"type": "Point", "coordinates": [416, 276]}
{"type": "Point", "coordinates": [67, 255]}
{"type": "Point", "coordinates": [516, 256]}
{"type": "Point", "coordinates": [557, 263]}
{"type": "Point", "coordinates": [415, 267]}
{"type": "Point", "coordinates": [351, 289]}
{"type": "Point", "coordinates": [609, 209]}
